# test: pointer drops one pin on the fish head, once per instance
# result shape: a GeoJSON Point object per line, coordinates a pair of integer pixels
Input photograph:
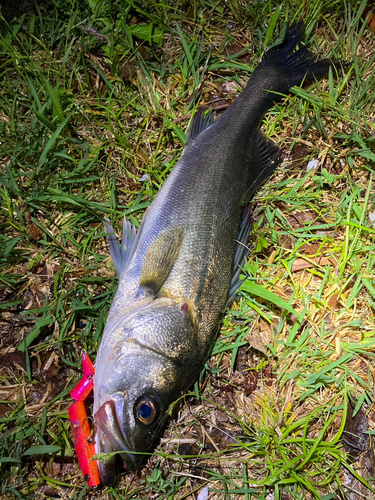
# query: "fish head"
{"type": "Point", "coordinates": [146, 361]}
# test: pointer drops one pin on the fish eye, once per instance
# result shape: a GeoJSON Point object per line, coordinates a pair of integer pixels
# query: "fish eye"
{"type": "Point", "coordinates": [145, 410]}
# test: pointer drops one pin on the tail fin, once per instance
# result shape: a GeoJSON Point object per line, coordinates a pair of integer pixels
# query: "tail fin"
{"type": "Point", "coordinates": [282, 67]}
{"type": "Point", "coordinates": [296, 65]}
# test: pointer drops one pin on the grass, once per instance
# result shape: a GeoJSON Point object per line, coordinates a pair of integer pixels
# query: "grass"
{"type": "Point", "coordinates": [95, 100]}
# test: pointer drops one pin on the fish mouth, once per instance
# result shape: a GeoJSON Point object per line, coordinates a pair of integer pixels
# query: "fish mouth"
{"type": "Point", "coordinates": [109, 427]}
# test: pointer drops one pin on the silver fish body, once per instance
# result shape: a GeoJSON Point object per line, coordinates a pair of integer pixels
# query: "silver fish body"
{"type": "Point", "coordinates": [175, 273]}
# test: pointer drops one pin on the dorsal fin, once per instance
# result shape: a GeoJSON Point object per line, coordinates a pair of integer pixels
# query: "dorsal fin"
{"type": "Point", "coordinates": [159, 260]}
{"type": "Point", "coordinates": [202, 119]}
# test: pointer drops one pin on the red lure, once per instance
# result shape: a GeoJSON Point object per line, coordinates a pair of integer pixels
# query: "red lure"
{"type": "Point", "coordinates": [80, 425]}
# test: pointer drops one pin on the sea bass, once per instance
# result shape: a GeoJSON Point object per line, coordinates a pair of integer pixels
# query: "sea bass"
{"type": "Point", "coordinates": [177, 270]}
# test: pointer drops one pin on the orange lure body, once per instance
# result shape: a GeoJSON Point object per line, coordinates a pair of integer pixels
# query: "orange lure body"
{"type": "Point", "coordinates": [85, 449]}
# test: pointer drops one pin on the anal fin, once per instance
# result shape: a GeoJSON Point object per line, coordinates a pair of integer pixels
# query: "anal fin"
{"type": "Point", "coordinates": [241, 251]}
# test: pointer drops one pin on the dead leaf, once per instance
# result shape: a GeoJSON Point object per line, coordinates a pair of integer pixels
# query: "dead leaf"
{"type": "Point", "coordinates": [370, 18]}
{"type": "Point", "coordinates": [250, 382]}
{"type": "Point", "coordinates": [52, 469]}
{"type": "Point", "coordinates": [287, 242]}
{"type": "Point", "coordinates": [354, 437]}
{"type": "Point", "coordinates": [357, 444]}
{"type": "Point", "coordinates": [299, 153]}
{"type": "Point", "coordinates": [34, 231]}
{"type": "Point", "coordinates": [301, 217]}
{"type": "Point", "coordinates": [230, 87]}
{"type": "Point", "coordinates": [242, 358]}
{"type": "Point", "coordinates": [235, 48]}
{"type": "Point", "coordinates": [301, 263]}
{"type": "Point", "coordinates": [311, 249]}
{"type": "Point", "coordinates": [333, 301]}
{"type": "Point", "coordinates": [258, 339]}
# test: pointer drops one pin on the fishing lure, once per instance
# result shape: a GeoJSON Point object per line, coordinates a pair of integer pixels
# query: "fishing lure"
{"type": "Point", "coordinates": [79, 422]}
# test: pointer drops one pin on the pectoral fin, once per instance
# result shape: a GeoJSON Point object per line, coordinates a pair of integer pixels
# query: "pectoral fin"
{"type": "Point", "coordinates": [160, 258]}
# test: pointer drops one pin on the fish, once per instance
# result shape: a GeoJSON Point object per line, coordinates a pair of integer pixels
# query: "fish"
{"type": "Point", "coordinates": [177, 271]}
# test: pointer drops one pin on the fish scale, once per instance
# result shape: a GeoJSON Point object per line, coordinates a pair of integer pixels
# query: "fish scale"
{"type": "Point", "coordinates": [176, 272]}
